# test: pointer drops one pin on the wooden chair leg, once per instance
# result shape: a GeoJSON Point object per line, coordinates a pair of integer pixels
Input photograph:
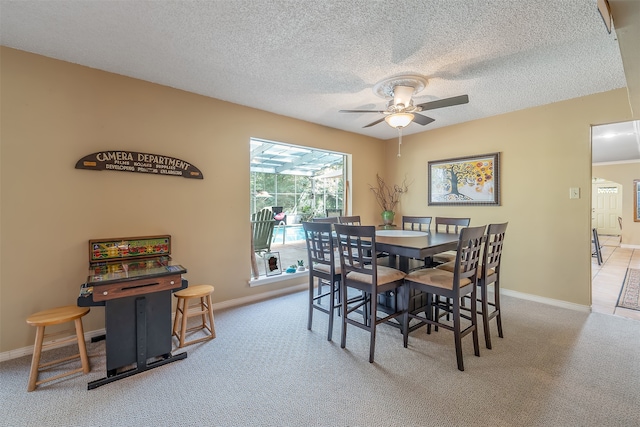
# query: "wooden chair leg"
{"type": "Point", "coordinates": [496, 300]}
{"type": "Point", "coordinates": [310, 318]}
{"type": "Point", "coordinates": [474, 321]}
{"type": "Point", "coordinates": [457, 336]}
{"type": "Point", "coordinates": [484, 301]}
{"type": "Point", "coordinates": [332, 306]}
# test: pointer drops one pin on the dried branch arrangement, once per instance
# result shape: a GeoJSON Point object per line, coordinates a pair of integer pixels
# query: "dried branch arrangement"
{"type": "Point", "coordinates": [387, 196]}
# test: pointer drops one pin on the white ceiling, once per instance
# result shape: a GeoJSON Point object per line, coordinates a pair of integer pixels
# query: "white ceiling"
{"type": "Point", "coordinates": [615, 142]}
{"type": "Point", "coordinates": [309, 59]}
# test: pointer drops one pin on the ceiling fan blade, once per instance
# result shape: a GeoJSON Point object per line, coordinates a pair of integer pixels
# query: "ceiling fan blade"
{"type": "Point", "coordinates": [374, 123]}
{"type": "Point", "coordinates": [361, 111]}
{"type": "Point", "coordinates": [422, 120]}
{"type": "Point", "coordinates": [447, 102]}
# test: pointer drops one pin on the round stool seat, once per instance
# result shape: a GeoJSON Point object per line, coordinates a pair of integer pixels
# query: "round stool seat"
{"type": "Point", "coordinates": [195, 291]}
{"type": "Point", "coordinates": [57, 315]}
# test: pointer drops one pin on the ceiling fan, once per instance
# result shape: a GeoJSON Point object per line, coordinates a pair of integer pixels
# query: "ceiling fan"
{"type": "Point", "coordinates": [400, 110]}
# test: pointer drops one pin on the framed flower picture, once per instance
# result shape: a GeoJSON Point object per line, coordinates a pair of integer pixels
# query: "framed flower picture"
{"type": "Point", "coordinates": [473, 180]}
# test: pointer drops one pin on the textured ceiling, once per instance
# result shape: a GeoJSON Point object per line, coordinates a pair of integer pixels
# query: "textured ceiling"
{"type": "Point", "coordinates": [309, 59]}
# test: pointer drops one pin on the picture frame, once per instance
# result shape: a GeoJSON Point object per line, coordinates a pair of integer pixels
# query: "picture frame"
{"type": "Point", "coordinates": [272, 265]}
{"type": "Point", "coordinates": [636, 200]}
{"type": "Point", "coordinates": [464, 181]}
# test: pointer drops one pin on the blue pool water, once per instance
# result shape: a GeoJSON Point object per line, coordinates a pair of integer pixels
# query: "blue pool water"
{"type": "Point", "coordinates": [294, 233]}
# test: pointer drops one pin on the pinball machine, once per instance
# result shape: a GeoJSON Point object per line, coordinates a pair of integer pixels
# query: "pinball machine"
{"type": "Point", "coordinates": [133, 278]}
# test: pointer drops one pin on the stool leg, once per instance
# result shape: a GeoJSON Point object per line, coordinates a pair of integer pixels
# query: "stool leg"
{"type": "Point", "coordinates": [82, 347]}
{"type": "Point", "coordinates": [183, 331]}
{"type": "Point", "coordinates": [203, 307]}
{"type": "Point", "coordinates": [210, 314]}
{"type": "Point", "coordinates": [35, 360]}
{"type": "Point", "coordinates": [175, 319]}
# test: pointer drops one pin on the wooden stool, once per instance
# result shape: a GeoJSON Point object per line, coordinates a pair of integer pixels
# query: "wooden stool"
{"type": "Point", "coordinates": [55, 316]}
{"type": "Point", "coordinates": [184, 312]}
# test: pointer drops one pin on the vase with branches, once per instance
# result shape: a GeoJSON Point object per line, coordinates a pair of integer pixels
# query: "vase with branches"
{"type": "Point", "coordinates": [388, 197]}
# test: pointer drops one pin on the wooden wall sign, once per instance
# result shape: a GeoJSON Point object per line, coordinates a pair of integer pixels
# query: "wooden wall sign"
{"type": "Point", "coordinates": [132, 161]}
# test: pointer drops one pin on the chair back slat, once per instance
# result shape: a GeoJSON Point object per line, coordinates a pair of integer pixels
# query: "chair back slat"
{"type": "Point", "coordinates": [350, 220]}
{"type": "Point", "coordinates": [493, 246]}
{"type": "Point", "coordinates": [329, 219]}
{"type": "Point", "coordinates": [451, 225]}
{"type": "Point", "coordinates": [320, 247]}
{"type": "Point", "coordinates": [355, 245]}
{"type": "Point", "coordinates": [416, 223]}
{"type": "Point", "coordinates": [468, 253]}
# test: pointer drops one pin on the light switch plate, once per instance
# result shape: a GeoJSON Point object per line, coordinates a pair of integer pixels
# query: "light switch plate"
{"type": "Point", "coordinates": [574, 192]}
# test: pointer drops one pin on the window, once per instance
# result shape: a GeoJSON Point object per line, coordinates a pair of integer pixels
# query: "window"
{"type": "Point", "coordinates": [302, 182]}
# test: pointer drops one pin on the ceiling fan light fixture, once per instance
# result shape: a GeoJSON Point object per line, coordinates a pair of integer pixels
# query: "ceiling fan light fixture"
{"type": "Point", "coordinates": [399, 120]}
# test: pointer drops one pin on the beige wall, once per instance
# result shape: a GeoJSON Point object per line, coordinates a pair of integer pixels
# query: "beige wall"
{"type": "Point", "coordinates": [54, 113]}
{"type": "Point", "coordinates": [545, 151]}
{"type": "Point", "coordinates": [623, 174]}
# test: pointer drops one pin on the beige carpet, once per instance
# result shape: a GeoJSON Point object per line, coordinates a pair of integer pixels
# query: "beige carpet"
{"type": "Point", "coordinates": [630, 292]}
{"type": "Point", "coordinates": [554, 367]}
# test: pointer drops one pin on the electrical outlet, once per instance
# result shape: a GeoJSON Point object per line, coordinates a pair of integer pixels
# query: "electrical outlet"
{"type": "Point", "coordinates": [574, 192]}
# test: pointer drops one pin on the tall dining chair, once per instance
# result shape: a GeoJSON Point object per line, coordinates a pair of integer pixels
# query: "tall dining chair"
{"type": "Point", "coordinates": [360, 271]}
{"type": "Point", "coordinates": [329, 219]}
{"type": "Point", "coordinates": [350, 220]}
{"type": "Point", "coordinates": [325, 267]}
{"type": "Point", "coordinates": [448, 225]}
{"type": "Point", "coordinates": [418, 223]}
{"type": "Point", "coordinates": [451, 286]}
{"type": "Point", "coordinates": [489, 274]}
{"type": "Point", "coordinates": [491, 260]}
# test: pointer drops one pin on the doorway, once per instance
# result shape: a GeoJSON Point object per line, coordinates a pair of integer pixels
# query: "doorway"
{"type": "Point", "coordinates": [613, 146]}
{"type": "Point", "coordinates": [606, 207]}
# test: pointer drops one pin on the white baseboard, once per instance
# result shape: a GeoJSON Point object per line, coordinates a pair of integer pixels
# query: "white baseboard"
{"type": "Point", "coordinates": [259, 297]}
{"type": "Point", "coordinates": [544, 300]}
{"type": "Point", "coordinates": [627, 246]}
{"type": "Point", "coordinates": [25, 351]}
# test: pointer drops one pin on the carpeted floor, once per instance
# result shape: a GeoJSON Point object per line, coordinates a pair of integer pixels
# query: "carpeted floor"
{"type": "Point", "coordinates": [630, 292]}
{"type": "Point", "coordinates": [555, 367]}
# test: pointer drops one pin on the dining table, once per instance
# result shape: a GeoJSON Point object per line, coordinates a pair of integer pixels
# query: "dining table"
{"type": "Point", "coordinates": [408, 244]}
{"type": "Point", "coordinates": [403, 245]}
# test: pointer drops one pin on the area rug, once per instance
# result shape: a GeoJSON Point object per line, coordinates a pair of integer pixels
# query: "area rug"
{"type": "Point", "coordinates": [630, 292]}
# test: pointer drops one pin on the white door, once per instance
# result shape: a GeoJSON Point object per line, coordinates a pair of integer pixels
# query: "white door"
{"type": "Point", "coordinates": [606, 207]}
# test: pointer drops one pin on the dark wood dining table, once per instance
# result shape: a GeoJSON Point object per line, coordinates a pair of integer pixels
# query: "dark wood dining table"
{"type": "Point", "coordinates": [407, 244]}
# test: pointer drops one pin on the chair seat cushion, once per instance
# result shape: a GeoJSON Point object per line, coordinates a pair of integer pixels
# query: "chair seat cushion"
{"type": "Point", "coordinates": [326, 268]}
{"type": "Point", "coordinates": [449, 266]}
{"type": "Point", "coordinates": [435, 277]}
{"type": "Point", "coordinates": [385, 275]}
{"type": "Point", "coordinates": [445, 257]}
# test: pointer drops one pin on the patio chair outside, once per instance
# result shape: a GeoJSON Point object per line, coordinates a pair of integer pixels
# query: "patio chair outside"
{"type": "Point", "coordinates": [262, 225]}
